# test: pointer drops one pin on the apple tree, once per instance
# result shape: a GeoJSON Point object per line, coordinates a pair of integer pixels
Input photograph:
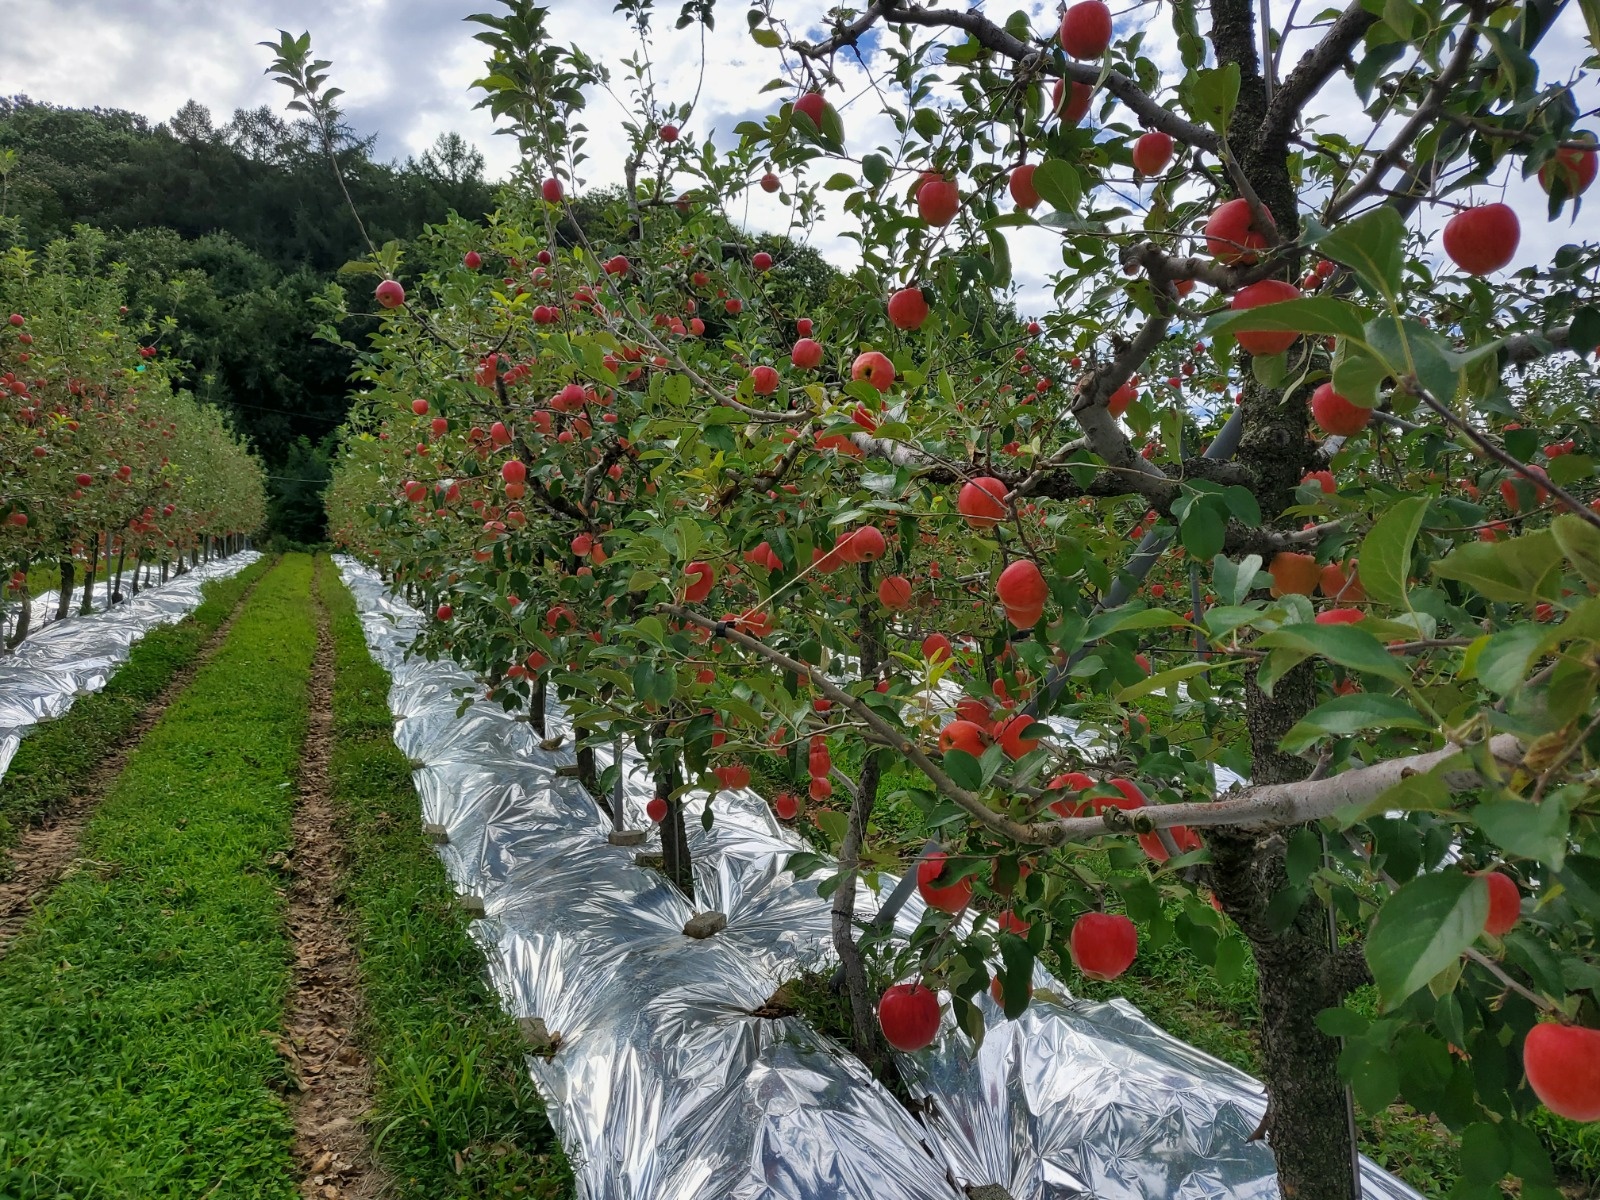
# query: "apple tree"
{"type": "Point", "coordinates": [1295, 480]}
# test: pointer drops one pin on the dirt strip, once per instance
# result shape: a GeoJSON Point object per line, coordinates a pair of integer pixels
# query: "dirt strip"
{"type": "Point", "coordinates": [48, 851]}
{"type": "Point", "coordinates": [331, 1147]}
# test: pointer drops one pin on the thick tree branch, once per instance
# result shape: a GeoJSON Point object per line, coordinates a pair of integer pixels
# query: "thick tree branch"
{"type": "Point", "coordinates": [1528, 347]}
{"type": "Point", "coordinates": [1312, 71]}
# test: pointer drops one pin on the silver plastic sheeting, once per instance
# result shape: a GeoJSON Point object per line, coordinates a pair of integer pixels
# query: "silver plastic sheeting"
{"type": "Point", "coordinates": [664, 1086]}
{"type": "Point", "coordinates": [69, 658]}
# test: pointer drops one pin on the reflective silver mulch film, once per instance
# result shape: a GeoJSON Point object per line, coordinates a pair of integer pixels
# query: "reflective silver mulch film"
{"type": "Point", "coordinates": [665, 1086]}
{"type": "Point", "coordinates": [65, 659]}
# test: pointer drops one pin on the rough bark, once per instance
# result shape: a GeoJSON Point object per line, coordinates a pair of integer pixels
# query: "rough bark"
{"type": "Point", "coordinates": [87, 606]}
{"type": "Point", "coordinates": [64, 596]}
{"type": "Point", "coordinates": [674, 837]}
{"type": "Point", "coordinates": [24, 620]}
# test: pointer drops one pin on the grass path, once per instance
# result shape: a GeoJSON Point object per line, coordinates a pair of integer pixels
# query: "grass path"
{"type": "Point", "coordinates": [456, 1112]}
{"type": "Point", "coordinates": [137, 1007]}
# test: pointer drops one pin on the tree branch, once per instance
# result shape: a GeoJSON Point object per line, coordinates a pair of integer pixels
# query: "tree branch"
{"type": "Point", "coordinates": [1311, 72]}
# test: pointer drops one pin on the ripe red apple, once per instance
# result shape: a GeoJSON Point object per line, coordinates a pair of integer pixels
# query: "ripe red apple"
{"type": "Point", "coordinates": [936, 647]}
{"type": "Point", "coordinates": [908, 308]}
{"type": "Point", "coordinates": [908, 1014]}
{"type": "Point", "coordinates": [703, 576]}
{"type": "Point", "coordinates": [982, 502]}
{"type": "Point", "coordinates": [85, 480]}
{"type": "Point", "coordinates": [867, 544]}
{"type": "Point", "coordinates": [1009, 734]}
{"type": "Point", "coordinates": [1339, 616]}
{"type": "Point", "coordinates": [439, 426]}
{"type": "Point", "coordinates": [803, 327]}
{"type": "Point", "coordinates": [669, 133]}
{"type": "Point", "coordinates": [1572, 166]}
{"type": "Point", "coordinates": [472, 261]}
{"type": "Point", "coordinates": [1231, 235]}
{"type": "Point", "coordinates": [1323, 479]}
{"type": "Point", "coordinates": [966, 736]}
{"type": "Point", "coordinates": [1562, 1063]}
{"type": "Point", "coordinates": [1086, 29]}
{"type": "Point", "coordinates": [807, 354]}
{"type": "Point", "coordinates": [765, 380]}
{"type": "Point", "coordinates": [1120, 399]}
{"type": "Point", "coordinates": [656, 809]}
{"type": "Point", "coordinates": [1483, 239]}
{"type": "Point", "coordinates": [514, 470]}
{"type": "Point", "coordinates": [1336, 415]}
{"type": "Point", "coordinates": [1021, 185]}
{"type": "Point", "coordinates": [875, 368]}
{"type": "Point", "coordinates": [733, 306]}
{"type": "Point", "coordinates": [1071, 106]}
{"type": "Point", "coordinates": [1505, 903]}
{"type": "Point", "coordinates": [1104, 945]}
{"type": "Point", "coordinates": [1152, 152]}
{"type": "Point", "coordinates": [770, 182]}
{"type": "Point", "coordinates": [813, 105]}
{"type": "Point", "coordinates": [444, 612]}
{"type": "Point", "coordinates": [420, 407]}
{"type": "Point", "coordinates": [786, 805]}
{"type": "Point", "coordinates": [1293, 574]}
{"type": "Point", "coordinates": [950, 897]}
{"type": "Point", "coordinates": [894, 592]}
{"type": "Point", "coordinates": [550, 189]}
{"type": "Point", "coordinates": [761, 260]}
{"type": "Point", "coordinates": [1022, 586]}
{"type": "Point", "coordinates": [1266, 291]}
{"type": "Point", "coordinates": [938, 200]}
{"type": "Point", "coordinates": [16, 319]}
{"type": "Point", "coordinates": [390, 294]}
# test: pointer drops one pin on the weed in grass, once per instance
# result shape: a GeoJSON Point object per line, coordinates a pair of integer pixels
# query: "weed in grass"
{"type": "Point", "coordinates": [457, 1113]}
{"type": "Point", "coordinates": [138, 1049]}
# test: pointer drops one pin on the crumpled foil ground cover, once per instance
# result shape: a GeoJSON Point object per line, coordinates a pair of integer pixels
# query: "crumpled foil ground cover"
{"type": "Point", "coordinates": [664, 1086]}
{"type": "Point", "coordinates": [65, 659]}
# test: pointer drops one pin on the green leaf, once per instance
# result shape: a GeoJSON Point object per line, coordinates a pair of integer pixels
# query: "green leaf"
{"type": "Point", "coordinates": [1386, 551]}
{"type": "Point", "coordinates": [875, 169]}
{"type": "Point", "coordinates": [1357, 376]}
{"type": "Point", "coordinates": [1346, 645]}
{"type": "Point", "coordinates": [1527, 830]}
{"type": "Point", "coordinates": [1412, 349]}
{"type": "Point", "coordinates": [1501, 662]}
{"type": "Point", "coordinates": [1580, 542]}
{"type": "Point", "coordinates": [1016, 974]}
{"type": "Point", "coordinates": [1423, 792]}
{"type": "Point", "coordinates": [966, 770]}
{"type": "Point", "coordinates": [1154, 683]}
{"type": "Point", "coordinates": [1233, 581]}
{"type": "Point", "coordinates": [1057, 183]}
{"type": "Point", "coordinates": [766, 37]}
{"type": "Point", "coordinates": [1342, 1023]}
{"type": "Point", "coordinates": [1118, 619]}
{"type": "Point", "coordinates": [1345, 715]}
{"type": "Point", "coordinates": [1202, 531]}
{"type": "Point", "coordinates": [1519, 570]}
{"type": "Point", "coordinates": [1309, 315]}
{"type": "Point", "coordinates": [1210, 94]}
{"type": "Point", "coordinates": [1423, 929]}
{"type": "Point", "coordinates": [1373, 246]}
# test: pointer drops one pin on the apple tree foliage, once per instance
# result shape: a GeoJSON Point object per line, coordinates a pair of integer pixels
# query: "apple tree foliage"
{"type": "Point", "coordinates": [99, 453]}
{"type": "Point", "coordinates": [609, 471]}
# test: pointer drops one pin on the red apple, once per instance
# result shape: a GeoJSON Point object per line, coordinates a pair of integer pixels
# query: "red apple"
{"type": "Point", "coordinates": [703, 576]}
{"type": "Point", "coordinates": [550, 189]}
{"type": "Point", "coordinates": [786, 805]}
{"type": "Point", "coordinates": [807, 354]}
{"type": "Point", "coordinates": [938, 200]}
{"type": "Point", "coordinates": [765, 380]}
{"type": "Point", "coordinates": [1231, 235]}
{"type": "Point", "coordinates": [982, 502]}
{"type": "Point", "coordinates": [1266, 291]}
{"type": "Point", "coordinates": [1120, 399]}
{"type": "Point", "coordinates": [1009, 734]}
{"type": "Point", "coordinates": [950, 897]}
{"type": "Point", "coordinates": [761, 261]}
{"type": "Point", "coordinates": [936, 647]}
{"type": "Point", "coordinates": [908, 308]}
{"type": "Point", "coordinates": [770, 182]}
{"type": "Point", "coordinates": [1021, 185]}
{"type": "Point", "coordinates": [1505, 903]}
{"type": "Point", "coordinates": [444, 612]}
{"type": "Point", "coordinates": [669, 133]}
{"type": "Point", "coordinates": [812, 104]}
{"type": "Point", "coordinates": [1152, 152]}
{"type": "Point", "coordinates": [908, 1014]}
{"type": "Point", "coordinates": [1562, 1063]}
{"type": "Point", "coordinates": [472, 261]}
{"type": "Point", "coordinates": [1104, 945]}
{"type": "Point", "coordinates": [1571, 166]}
{"type": "Point", "coordinates": [894, 592]}
{"type": "Point", "coordinates": [875, 368]}
{"type": "Point", "coordinates": [1483, 239]}
{"type": "Point", "coordinates": [1086, 29]}
{"type": "Point", "coordinates": [1071, 106]}
{"type": "Point", "coordinates": [1335, 414]}
{"type": "Point", "coordinates": [966, 736]}
{"type": "Point", "coordinates": [656, 809]}
{"type": "Point", "coordinates": [390, 294]}
{"type": "Point", "coordinates": [1022, 586]}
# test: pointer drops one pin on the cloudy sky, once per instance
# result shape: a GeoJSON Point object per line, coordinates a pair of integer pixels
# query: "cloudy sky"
{"type": "Point", "coordinates": [407, 66]}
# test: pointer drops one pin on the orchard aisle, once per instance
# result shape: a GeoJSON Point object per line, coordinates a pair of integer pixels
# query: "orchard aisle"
{"type": "Point", "coordinates": [137, 1006]}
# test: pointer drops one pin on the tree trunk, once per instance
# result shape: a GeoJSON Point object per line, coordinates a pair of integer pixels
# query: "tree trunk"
{"type": "Point", "coordinates": [674, 837]}
{"type": "Point", "coordinates": [536, 711]}
{"type": "Point", "coordinates": [866, 1039]}
{"type": "Point", "coordinates": [87, 606]}
{"type": "Point", "coordinates": [64, 596]}
{"type": "Point", "coordinates": [122, 559]}
{"type": "Point", "coordinates": [24, 620]}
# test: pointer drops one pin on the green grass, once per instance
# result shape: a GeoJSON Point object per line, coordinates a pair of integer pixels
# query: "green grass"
{"type": "Point", "coordinates": [46, 577]}
{"type": "Point", "coordinates": [457, 1114]}
{"type": "Point", "coordinates": [141, 1001]}
{"type": "Point", "coordinates": [55, 756]}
